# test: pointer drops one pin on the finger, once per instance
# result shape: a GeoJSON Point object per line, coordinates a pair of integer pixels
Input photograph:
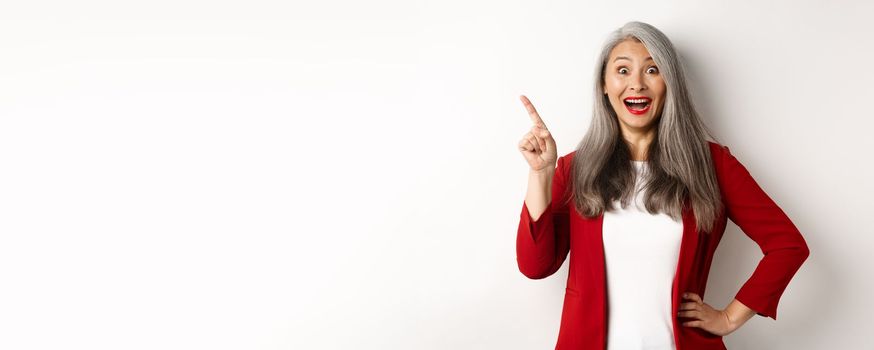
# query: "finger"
{"type": "Point", "coordinates": [690, 306]}
{"type": "Point", "coordinates": [693, 296]}
{"type": "Point", "coordinates": [691, 314]}
{"type": "Point", "coordinates": [543, 132]}
{"type": "Point", "coordinates": [537, 142]}
{"type": "Point", "coordinates": [545, 135]}
{"type": "Point", "coordinates": [693, 323]}
{"type": "Point", "coordinates": [526, 145]}
{"type": "Point", "coordinates": [534, 142]}
{"type": "Point", "coordinates": [532, 112]}
{"type": "Point", "coordinates": [538, 133]}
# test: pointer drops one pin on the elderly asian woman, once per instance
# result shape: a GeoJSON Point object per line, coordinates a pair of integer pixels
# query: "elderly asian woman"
{"type": "Point", "coordinates": [640, 206]}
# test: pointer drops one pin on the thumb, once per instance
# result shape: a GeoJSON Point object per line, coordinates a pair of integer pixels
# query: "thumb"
{"type": "Point", "coordinates": [546, 136]}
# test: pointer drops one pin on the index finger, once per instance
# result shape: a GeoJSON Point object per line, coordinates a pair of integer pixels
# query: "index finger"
{"type": "Point", "coordinates": [532, 112]}
{"type": "Point", "coordinates": [693, 296]}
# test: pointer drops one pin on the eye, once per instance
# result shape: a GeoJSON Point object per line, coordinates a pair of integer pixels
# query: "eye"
{"type": "Point", "coordinates": [652, 70]}
{"type": "Point", "coordinates": [621, 70]}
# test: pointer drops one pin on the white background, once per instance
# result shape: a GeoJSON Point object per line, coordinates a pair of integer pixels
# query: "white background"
{"type": "Point", "coordinates": [344, 175]}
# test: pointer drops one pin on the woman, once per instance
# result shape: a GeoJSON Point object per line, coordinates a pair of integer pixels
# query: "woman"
{"type": "Point", "coordinates": [643, 202]}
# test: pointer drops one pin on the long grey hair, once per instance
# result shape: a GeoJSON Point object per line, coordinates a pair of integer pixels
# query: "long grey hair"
{"type": "Point", "coordinates": [679, 161]}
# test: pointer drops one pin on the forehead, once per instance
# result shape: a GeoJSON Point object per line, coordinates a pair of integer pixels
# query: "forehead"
{"type": "Point", "coordinates": [631, 50]}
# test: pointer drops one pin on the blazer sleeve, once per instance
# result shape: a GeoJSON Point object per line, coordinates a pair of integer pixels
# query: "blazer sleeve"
{"type": "Point", "coordinates": [543, 245]}
{"type": "Point", "coordinates": [783, 246]}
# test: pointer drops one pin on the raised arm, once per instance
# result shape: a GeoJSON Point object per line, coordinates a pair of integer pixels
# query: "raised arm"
{"type": "Point", "coordinates": [542, 241]}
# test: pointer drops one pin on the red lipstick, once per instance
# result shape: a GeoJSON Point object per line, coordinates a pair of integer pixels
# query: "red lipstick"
{"type": "Point", "coordinates": [637, 110]}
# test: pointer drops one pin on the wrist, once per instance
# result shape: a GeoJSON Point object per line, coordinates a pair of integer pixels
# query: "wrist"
{"type": "Point", "coordinates": [737, 313]}
{"type": "Point", "coordinates": [546, 172]}
{"type": "Point", "coordinates": [732, 322]}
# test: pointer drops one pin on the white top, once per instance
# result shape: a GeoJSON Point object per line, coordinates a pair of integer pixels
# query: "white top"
{"type": "Point", "coordinates": [641, 252]}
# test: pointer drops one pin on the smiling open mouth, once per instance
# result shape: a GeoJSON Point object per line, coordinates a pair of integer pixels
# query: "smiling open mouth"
{"type": "Point", "coordinates": [637, 104]}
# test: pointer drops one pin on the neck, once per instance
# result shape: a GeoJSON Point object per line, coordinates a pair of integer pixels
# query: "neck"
{"type": "Point", "coordinates": [638, 144]}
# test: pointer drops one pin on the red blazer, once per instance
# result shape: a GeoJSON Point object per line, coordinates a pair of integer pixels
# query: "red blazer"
{"type": "Point", "coordinates": [543, 245]}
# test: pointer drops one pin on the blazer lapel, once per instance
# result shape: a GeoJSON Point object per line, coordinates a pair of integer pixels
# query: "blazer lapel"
{"type": "Point", "coordinates": [688, 250]}
{"type": "Point", "coordinates": [597, 266]}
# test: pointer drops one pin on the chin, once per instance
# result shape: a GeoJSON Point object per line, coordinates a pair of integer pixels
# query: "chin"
{"type": "Point", "coordinates": [638, 122]}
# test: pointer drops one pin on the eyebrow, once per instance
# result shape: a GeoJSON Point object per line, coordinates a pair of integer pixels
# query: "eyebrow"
{"type": "Point", "coordinates": [626, 58]}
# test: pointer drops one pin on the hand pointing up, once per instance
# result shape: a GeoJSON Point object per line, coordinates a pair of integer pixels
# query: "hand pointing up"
{"type": "Point", "coordinates": [537, 146]}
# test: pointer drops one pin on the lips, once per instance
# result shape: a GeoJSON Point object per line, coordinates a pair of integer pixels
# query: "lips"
{"type": "Point", "coordinates": [637, 104]}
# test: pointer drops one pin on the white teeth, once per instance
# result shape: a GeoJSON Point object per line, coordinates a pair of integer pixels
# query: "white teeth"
{"type": "Point", "coordinates": [637, 100]}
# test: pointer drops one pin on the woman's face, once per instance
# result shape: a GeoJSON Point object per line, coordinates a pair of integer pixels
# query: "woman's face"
{"type": "Point", "coordinates": [631, 74]}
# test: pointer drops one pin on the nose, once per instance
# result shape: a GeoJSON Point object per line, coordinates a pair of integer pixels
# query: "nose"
{"type": "Point", "coordinates": [636, 83]}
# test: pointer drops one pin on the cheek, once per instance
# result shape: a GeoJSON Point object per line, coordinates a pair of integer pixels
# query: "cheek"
{"type": "Point", "coordinates": [659, 86]}
{"type": "Point", "coordinates": [614, 90]}
{"type": "Point", "coordinates": [614, 100]}
{"type": "Point", "coordinates": [614, 83]}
